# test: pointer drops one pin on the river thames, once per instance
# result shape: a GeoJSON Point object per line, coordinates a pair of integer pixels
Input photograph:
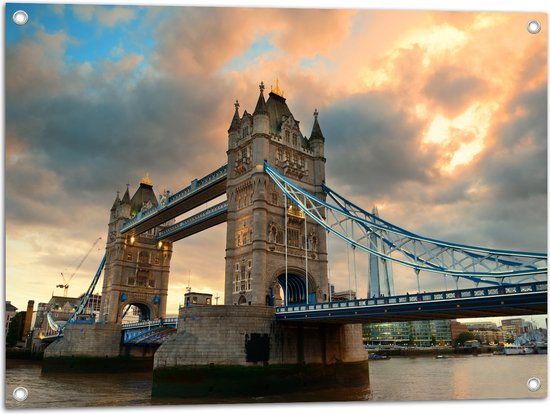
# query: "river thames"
{"type": "Point", "coordinates": [464, 377]}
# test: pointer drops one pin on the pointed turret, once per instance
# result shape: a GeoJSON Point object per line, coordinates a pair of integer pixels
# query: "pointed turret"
{"type": "Point", "coordinates": [117, 201]}
{"type": "Point", "coordinates": [260, 124]}
{"type": "Point", "coordinates": [261, 108]}
{"type": "Point", "coordinates": [316, 133]}
{"type": "Point", "coordinates": [236, 121]}
{"type": "Point", "coordinates": [123, 206]}
{"type": "Point", "coordinates": [126, 196]}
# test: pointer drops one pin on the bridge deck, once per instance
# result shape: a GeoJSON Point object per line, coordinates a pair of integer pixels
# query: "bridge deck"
{"type": "Point", "coordinates": [523, 299]}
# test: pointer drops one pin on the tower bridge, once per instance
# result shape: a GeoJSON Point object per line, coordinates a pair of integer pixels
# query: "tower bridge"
{"type": "Point", "coordinates": [279, 213]}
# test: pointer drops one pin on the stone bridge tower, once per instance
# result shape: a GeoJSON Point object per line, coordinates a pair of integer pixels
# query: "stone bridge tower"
{"type": "Point", "coordinates": [256, 271]}
{"type": "Point", "coordinates": [137, 266]}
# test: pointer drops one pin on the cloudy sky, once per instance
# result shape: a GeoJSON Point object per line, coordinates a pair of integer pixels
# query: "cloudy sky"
{"type": "Point", "coordinates": [441, 122]}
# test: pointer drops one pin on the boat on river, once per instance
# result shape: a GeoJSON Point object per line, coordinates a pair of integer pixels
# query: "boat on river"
{"type": "Point", "coordinates": [518, 350]}
{"type": "Point", "coordinates": [376, 356]}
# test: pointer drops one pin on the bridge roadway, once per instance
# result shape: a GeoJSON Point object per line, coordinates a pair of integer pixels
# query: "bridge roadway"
{"type": "Point", "coordinates": [199, 192]}
{"type": "Point", "coordinates": [507, 300]}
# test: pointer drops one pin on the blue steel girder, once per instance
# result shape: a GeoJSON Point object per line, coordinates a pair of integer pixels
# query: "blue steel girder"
{"type": "Point", "coordinates": [354, 225]}
{"type": "Point", "coordinates": [83, 302]}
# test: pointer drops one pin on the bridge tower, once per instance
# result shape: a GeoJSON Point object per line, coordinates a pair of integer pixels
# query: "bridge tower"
{"type": "Point", "coordinates": [258, 267]}
{"type": "Point", "coordinates": [137, 266]}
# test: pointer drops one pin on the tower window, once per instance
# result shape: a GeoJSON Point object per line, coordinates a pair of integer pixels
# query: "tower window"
{"type": "Point", "coordinates": [294, 140]}
{"type": "Point", "coordinates": [274, 198]}
{"type": "Point", "coordinates": [287, 136]}
{"type": "Point", "coordinates": [152, 283]}
{"type": "Point", "coordinates": [129, 256]}
{"type": "Point", "coordinates": [294, 239]}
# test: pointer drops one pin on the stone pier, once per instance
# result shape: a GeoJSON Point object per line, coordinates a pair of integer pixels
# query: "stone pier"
{"type": "Point", "coordinates": [242, 351]}
{"type": "Point", "coordinates": [91, 348]}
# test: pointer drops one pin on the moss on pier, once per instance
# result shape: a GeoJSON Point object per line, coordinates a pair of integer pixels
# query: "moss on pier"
{"type": "Point", "coordinates": [96, 364]}
{"type": "Point", "coordinates": [199, 381]}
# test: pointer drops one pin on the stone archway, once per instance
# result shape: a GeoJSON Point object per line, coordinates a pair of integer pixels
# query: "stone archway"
{"type": "Point", "coordinates": [143, 311]}
{"type": "Point", "coordinates": [294, 282]}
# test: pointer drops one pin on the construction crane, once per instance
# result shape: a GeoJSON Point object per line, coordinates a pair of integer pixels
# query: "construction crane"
{"type": "Point", "coordinates": [65, 285]}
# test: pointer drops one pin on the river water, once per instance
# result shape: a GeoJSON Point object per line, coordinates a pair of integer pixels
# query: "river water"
{"type": "Point", "coordinates": [423, 378]}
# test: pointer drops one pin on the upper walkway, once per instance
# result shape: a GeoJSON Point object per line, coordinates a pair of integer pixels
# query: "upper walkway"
{"type": "Point", "coordinates": [200, 191]}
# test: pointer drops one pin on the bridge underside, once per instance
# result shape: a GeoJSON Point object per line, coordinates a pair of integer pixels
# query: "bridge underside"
{"type": "Point", "coordinates": [154, 337]}
{"type": "Point", "coordinates": [511, 305]}
{"type": "Point", "coordinates": [198, 226]}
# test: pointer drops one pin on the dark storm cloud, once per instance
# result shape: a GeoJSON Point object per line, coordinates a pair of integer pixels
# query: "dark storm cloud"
{"type": "Point", "coordinates": [94, 147]}
{"type": "Point", "coordinates": [373, 144]}
{"type": "Point", "coordinates": [450, 89]}
{"type": "Point", "coordinates": [516, 165]}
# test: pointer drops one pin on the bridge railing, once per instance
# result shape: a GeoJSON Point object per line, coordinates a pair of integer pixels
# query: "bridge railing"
{"type": "Point", "coordinates": [198, 184]}
{"type": "Point", "coordinates": [154, 323]}
{"type": "Point", "coordinates": [195, 186]}
{"type": "Point", "coordinates": [420, 297]}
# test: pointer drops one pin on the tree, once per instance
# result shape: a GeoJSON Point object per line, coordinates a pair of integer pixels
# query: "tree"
{"type": "Point", "coordinates": [12, 335]}
{"type": "Point", "coordinates": [463, 337]}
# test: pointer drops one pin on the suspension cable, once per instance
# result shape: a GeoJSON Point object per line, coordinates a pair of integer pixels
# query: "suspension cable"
{"type": "Point", "coordinates": [306, 242]}
{"type": "Point", "coordinates": [349, 270]}
{"type": "Point", "coordinates": [354, 264]}
{"type": "Point", "coordinates": [286, 251]}
{"type": "Point", "coordinates": [328, 265]}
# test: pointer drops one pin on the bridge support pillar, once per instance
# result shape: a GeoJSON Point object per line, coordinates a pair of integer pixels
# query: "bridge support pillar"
{"type": "Point", "coordinates": [241, 351]}
{"type": "Point", "coordinates": [86, 340]}
{"type": "Point", "coordinates": [90, 348]}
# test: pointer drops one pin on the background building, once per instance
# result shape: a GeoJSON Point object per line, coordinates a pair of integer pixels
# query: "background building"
{"type": "Point", "coordinates": [10, 313]}
{"type": "Point", "coordinates": [411, 333]}
{"type": "Point", "coordinates": [197, 299]}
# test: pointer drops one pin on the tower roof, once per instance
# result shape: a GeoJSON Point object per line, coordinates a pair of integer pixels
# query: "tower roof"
{"type": "Point", "coordinates": [316, 133]}
{"type": "Point", "coordinates": [143, 196]}
{"type": "Point", "coordinates": [276, 109]}
{"type": "Point", "coordinates": [236, 121]}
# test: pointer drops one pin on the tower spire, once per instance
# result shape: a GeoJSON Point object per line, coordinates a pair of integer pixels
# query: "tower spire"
{"type": "Point", "coordinates": [277, 90]}
{"type": "Point", "coordinates": [236, 121]}
{"type": "Point", "coordinates": [316, 133]}
{"type": "Point", "coordinates": [261, 107]}
{"type": "Point", "coordinates": [117, 201]}
{"type": "Point", "coordinates": [126, 196]}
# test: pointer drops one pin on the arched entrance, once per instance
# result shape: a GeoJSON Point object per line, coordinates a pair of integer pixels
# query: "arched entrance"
{"type": "Point", "coordinates": [136, 312]}
{"type": "Point", "coordinates": [296, 285]}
